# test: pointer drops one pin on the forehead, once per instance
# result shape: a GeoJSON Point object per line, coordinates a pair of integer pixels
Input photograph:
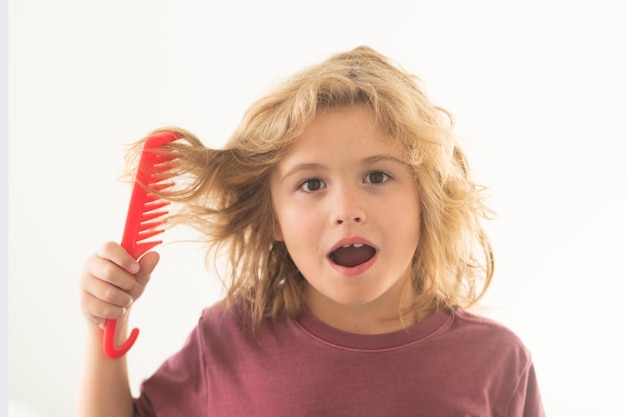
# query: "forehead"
{"type": "Point", "coordinates": [345, 132]}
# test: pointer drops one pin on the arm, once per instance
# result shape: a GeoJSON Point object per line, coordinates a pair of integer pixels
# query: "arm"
{"type": "Point", "coordinates": [526, 401]}
{"type": "Point", "coordinates": [111, 280]}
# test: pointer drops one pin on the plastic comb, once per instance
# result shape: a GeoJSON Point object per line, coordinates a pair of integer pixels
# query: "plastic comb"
{"type": "Point", "coordinates": [144, 220]}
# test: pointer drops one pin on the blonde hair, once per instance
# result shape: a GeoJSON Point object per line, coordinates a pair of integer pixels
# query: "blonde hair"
{"type": "Point", "coordinates": [225, 194]}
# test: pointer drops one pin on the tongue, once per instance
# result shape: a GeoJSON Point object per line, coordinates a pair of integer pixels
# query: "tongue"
{"type": "Point", "coordinates": [351, 256]}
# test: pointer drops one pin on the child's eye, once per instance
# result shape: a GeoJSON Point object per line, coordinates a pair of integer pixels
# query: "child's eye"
{"type": "Point", "coordinates": [312, 184]}
{"type": "Point", "coordinates": [376, 177]}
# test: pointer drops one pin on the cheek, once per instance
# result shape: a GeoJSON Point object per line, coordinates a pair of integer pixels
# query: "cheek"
{"type": "Point", "coordinates": [289, 221]}
{"type": "Point", "coordinates": [405, 219]}
{"type": "Point", "coordinates": [299, 224]}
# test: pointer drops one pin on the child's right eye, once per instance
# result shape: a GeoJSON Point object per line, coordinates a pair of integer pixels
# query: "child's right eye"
{"type": "Point", "coordinates": [311, 185]}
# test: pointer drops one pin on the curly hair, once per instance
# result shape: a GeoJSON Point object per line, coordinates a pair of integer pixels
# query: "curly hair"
{"type": "Point", "coordinates": [225, 193]}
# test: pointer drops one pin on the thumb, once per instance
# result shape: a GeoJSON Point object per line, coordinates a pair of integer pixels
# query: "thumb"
{"type": "Point", "coordinates": [147, 263]}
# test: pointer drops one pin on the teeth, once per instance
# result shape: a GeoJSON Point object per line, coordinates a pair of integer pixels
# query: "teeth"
{"type": "Point", "coordinates": [356, 245]}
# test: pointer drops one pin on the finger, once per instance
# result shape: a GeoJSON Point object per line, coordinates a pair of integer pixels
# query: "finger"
{"type": "Point", "coordinates": [107, 292]}
{"type": "Point", "coordinates": [115, 253]}
{"type": "Point", "coordinates": [148, 262]}
{"type": "Point", "coordinates": [97, 311]}
{"type": "Point", "coordinates": [108, 272]}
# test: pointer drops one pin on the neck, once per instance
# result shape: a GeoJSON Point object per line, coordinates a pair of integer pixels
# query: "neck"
{"type": "Point", "coordinates": [379, 316]}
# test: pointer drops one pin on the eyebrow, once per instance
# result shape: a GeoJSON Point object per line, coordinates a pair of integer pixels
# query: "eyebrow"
{"type": "Point", "coordinates": [301, 167]}
{"type": "Point", "coordinates": [309, 166]}
{"type": "Point", "coordinates": [384, 157]}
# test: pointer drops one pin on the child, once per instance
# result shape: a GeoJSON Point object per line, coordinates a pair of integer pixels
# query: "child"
{"type": "Point", "coordinates": [355, 245]}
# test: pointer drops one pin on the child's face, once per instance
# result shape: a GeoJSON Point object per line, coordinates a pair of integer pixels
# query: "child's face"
{"type": "Point", "coordinates": [344, 183]}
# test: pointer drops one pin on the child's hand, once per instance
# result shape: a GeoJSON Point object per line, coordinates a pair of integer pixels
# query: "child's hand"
{"type": "Point", "coordinates": [111, 280]}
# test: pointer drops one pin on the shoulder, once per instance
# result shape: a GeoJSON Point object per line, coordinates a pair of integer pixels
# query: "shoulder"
{"type": "Point", "coordinates": [479, 323]}
{"type": "Point", "coordinates": [493, 351]}
{"type": "Point", "coordinates": [222, 316]}
{"type": "Point", "coordinates": [488, 335]}
{"type": "Point", "coordinates": [231, 325]}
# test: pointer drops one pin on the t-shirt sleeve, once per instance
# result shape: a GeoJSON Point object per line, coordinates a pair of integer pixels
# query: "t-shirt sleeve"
{"type": "Point", "coordinates": [527, 400]}
{"type": "Point", "coordinates": [178, 387]}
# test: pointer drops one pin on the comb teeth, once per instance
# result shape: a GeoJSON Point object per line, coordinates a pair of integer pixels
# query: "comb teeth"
{"type": "Point", "coordinates": [144, 219]}
{"type": "Point", "coordinates": [162, 186]}
{"type": "Point", "coordinates": [151, 215]}
{"type": "Point", "coordinates": [145, 228]}
{"type": "Point", "coordinates": [143, 247]}
{"type": "Point", "coordinates": [143, 235]}
{"type": "Point", "coordinates": [146, 216]}
{"type": "Point", "coordinates": [154, 203]}
{"type": "Point", "coordinates": [152, 218]}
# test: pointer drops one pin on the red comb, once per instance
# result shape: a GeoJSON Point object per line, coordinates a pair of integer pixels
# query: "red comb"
{"type": "Point", "coordinates": [144, 219]}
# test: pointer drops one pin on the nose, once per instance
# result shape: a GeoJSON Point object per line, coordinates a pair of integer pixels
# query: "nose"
{"type": "Point", "coordinates": [348, 207]}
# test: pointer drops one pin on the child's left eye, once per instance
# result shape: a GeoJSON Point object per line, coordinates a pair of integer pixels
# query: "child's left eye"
{"type": "Point", "coordinates": [376, 177]}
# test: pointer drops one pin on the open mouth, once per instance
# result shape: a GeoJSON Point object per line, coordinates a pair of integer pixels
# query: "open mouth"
{"type": "Point", "coordinates": [352, 255]}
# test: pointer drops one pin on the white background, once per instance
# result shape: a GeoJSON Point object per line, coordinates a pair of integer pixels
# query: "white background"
{"type": "Point", "coordinates": [538, 89]}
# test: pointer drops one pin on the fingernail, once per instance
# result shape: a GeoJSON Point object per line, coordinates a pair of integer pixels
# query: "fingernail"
{"type": "Point", "coordinates": [133, 268]}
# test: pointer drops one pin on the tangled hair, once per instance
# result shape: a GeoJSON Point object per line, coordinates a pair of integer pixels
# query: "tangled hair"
{"type": "Point", "coordinates": [225, 193]}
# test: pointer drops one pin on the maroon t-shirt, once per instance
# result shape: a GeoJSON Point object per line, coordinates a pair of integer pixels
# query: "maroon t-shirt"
{"type": "Point", "coordinates": [451, 364]}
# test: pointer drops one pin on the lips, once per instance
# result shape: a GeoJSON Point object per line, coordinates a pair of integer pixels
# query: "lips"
{"type": "Point", "coordinates": [352, 255]}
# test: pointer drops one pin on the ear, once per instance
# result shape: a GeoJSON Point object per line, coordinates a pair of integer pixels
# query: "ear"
{"type": "Point", "coordinates": [277, 232]}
